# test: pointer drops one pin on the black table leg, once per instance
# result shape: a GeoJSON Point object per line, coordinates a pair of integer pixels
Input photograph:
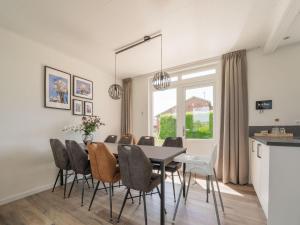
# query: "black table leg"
{"type": "Point", "coordinates": [183, 180]}
{"type": "Point", "coordinates": [162, 189]}
{"type": "Point", "coordinates": [61, 175]}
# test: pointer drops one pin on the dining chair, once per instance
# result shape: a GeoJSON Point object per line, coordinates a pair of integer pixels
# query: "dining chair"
{"type": "Point", "coordinates": [111, 139]}
{"type": "Point", "coordinates": [80, 164]}
{"type": "Point", "coordinates": [173, 166]}
{"type": "Point", "coordinates": [104, 169]}
{"type": "Point", "coordinates": [146, 140]}
{"type": "Point", "coordinates": [61, 160]}
{"type": "Point", "coordinates": [136, 174]}
{"type": "Point", "coordinates": [203, 165]}
{"type": "Point", "coordinates": [126, 139]}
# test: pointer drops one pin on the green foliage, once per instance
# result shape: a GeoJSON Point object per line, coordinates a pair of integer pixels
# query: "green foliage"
{"type": "Point", "coordinates": [167, 123]}
{"type": "Point", "coordinates": [194, 129]}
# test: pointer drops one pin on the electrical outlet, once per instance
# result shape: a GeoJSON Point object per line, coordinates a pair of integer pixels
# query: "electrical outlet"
{"type": "Point", "coordinates": [298, 122]}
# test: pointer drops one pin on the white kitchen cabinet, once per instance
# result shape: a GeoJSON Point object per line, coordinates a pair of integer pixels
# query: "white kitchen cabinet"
{"type": "Point", "coordinates": [274, 173]}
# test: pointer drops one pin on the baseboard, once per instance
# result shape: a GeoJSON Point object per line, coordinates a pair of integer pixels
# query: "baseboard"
{"type": "Point", "coordinates": [25, 194]}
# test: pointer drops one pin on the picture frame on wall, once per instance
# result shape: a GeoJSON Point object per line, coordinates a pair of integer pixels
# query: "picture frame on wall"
{"type": "Point", "coordinates": [57, 85]}
{"type": "Point", "coordinates": [78, 107]}
{"type": "Point", "coordinates": [82, 88]}
{"type": "Point", "coordinates": [88, 108]}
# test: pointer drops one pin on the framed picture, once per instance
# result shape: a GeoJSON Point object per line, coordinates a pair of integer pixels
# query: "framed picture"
{"type": "Point", "coordinates": [57, 89]}
{"type": "Point", "coordinates": [88, 108]}
{"type": "Point", "coordinates": [77, 107]}
{"type": "Point", "coordinates": [82, 88]}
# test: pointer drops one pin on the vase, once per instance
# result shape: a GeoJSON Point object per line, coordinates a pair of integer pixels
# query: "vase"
{"type": "Point", "coordinates": [87, 138]}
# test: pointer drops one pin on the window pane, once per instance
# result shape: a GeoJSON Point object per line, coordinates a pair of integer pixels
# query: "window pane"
{"type": "Point", "coordinates": [199, 110]}
{"type": "Point", "coordinates": [164, 114]}
{"type": "Point", "coordinates": [198, 74]}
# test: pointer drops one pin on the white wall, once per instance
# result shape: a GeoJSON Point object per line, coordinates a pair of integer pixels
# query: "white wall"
{"type": "Point", "coordinates": [26, 161]}
{"type": "Point", "coordinates": [277, 77]}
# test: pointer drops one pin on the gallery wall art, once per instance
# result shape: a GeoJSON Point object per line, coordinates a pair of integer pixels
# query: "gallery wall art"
{"type": "Point", "coordinates": [88, 108]}
{"type": "Point", "coordinates": [78, 107]}
{"type": "Point", "coordinates": [57, 89]}
{"type": "Point", "coordinates": [82, 88]}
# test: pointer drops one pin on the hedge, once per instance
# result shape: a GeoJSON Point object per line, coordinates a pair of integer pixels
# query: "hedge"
{"type": "Point", "coordinates": [167, 127]}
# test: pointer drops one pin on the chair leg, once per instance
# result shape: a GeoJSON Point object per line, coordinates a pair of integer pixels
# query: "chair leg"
{"type": "Point", "coordinates": [215, 200]}
{"type": "Point", "coordinates": [75, 178]}
{"type": "Point", "coordinates": [179, 176]}
{"type": "Point", "coordinates": [110, 200]}
{"type": "Point", "coordinates": [124, 202]}
{"type": "Point", "coordinates": [173, 183]}
{"type": "Point", "coordinates": [82, 191]}
{"type": "Point", "coordinates": [207, 188]}
{"type": "Point", "coordinates": [188, 188]}
{"type": "Point", "coordinates": [145, 208]}
{"type": "Point", "coordinates": [216, 179]}
{"type": "Point", "coordinates": [56, 180]}
{"type": "Point", "coordinates": [140, 197]}
{"type": "Point", "coordinates": [178, 201]}
{"type": "Point", "coordinates": [87, 181]}
{"type": "Point", "coordinates": [65, 185]}
{"type": "Point", "coordinates": [104, 186]}
{"type": "Point", "coordinates": [131, 197]}
{"type": "Point", "coordinates": [92, 180]}
{"type": "Point", "coordinates": [158, 191]}
{"type": "Point", "coordinates": [95, 191]}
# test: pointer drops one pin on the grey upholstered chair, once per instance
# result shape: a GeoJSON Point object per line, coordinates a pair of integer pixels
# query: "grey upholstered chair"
{"type": "Point", "coordinates": [126, 139]}
{"type": "Point", "coordinates": [79, 163]}
{"type": "Point", "coordinates": [136, 173]}
{"type": "Point", "coordinates": [61, 160]}
{"type": "Point", "coordinates": [172, 167]}
{"type": "Point", "coordinates": [146, 140]}
{"type": "Point", "coordinates": [111, 139]}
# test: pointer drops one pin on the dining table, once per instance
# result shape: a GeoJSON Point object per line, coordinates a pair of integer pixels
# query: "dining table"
{"type": "Point", "coordinates": [157, 154]}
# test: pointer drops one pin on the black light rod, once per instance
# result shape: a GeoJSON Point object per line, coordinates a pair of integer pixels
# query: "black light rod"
{"type": "Point", "coordinates": [146, 38]}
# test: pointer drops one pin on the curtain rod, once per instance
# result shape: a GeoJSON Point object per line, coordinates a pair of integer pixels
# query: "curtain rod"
{"type": "Point", "coordinates": [134, 44]}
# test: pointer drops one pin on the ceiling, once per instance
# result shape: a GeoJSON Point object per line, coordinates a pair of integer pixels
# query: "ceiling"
{"type": "Point", "coordinates": [192, 29]}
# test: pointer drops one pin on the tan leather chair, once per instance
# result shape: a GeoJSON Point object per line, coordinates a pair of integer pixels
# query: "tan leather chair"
{"type": "Point", "coordinates": [104, 168]}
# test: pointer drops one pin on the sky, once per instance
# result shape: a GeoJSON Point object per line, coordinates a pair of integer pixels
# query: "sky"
{"type": "Point", "coordinates": [163, 100]}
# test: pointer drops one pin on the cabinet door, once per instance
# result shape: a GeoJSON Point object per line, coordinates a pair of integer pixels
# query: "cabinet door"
{"type": "Point", "coordinates": [251, 159]}
{"type": "Point", "coordinates": [264, 177]}
{"type": "Point", "coordinates": [257, 167]}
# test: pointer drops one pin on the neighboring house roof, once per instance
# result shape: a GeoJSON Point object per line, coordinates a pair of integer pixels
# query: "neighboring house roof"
{"type": "Point", "coordinates": [191, 103]}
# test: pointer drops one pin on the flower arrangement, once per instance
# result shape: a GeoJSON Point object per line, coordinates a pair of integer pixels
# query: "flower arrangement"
{"type": "Point", "coordinates": [89, 124]}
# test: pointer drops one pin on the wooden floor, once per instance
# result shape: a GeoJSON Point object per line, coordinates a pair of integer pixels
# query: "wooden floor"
{"type": "Point", "coordinates": [47, 208]}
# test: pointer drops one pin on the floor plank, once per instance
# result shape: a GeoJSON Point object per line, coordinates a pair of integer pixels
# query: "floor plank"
{"type": "Point", "coordinates": [47, 208]}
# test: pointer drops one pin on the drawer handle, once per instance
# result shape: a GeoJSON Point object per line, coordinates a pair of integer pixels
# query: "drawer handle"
{"type": "Point", "coordinates": [252, 148]}
{"type": "Point", "coordinates": [258, 151]}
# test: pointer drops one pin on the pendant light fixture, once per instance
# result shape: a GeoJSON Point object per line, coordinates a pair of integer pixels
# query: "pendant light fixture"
{"type": "Point", "coordinates": [115, 90]}
{"type": "Point", "coordinates": [161, 79]}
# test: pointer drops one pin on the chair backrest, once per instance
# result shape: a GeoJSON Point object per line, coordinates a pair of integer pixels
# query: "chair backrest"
{"type": "Point", "coordinates": [213, 156]}
{"type": "Point", "coordinates": [111, 139]}
{"type": "Point", "coordinates": [103, 162]}
{"type": "Point", "coordinates": [146, 140]}
{"type": "Point", "coordinates": [78, 157]}
{"type": "Point", "coordinates": [173, 142]}
{"type": "Point", "coordinates": [60, 154]}
{"type": "Point", "coordinates": [135, 167]}
{"type": "Point", "coordinates": [126, 139]}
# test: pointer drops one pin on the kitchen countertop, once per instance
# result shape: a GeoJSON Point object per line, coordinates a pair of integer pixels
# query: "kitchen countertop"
{"type": "Point", "coordinates": [289, 142]}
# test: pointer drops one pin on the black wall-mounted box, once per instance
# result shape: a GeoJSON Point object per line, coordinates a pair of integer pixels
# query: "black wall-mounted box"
{"type": "Point", "coordinates": [264, 104]}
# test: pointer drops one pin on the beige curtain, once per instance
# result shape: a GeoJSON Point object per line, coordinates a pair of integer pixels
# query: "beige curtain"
{"type": "Point", "coordinates": [233, 157]}
{"type": "Point", "coordinates": [126, 113]}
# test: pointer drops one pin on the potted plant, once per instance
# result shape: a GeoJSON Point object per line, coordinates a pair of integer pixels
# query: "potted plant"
{"type": "Point", "coordinates": [88, 126]}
